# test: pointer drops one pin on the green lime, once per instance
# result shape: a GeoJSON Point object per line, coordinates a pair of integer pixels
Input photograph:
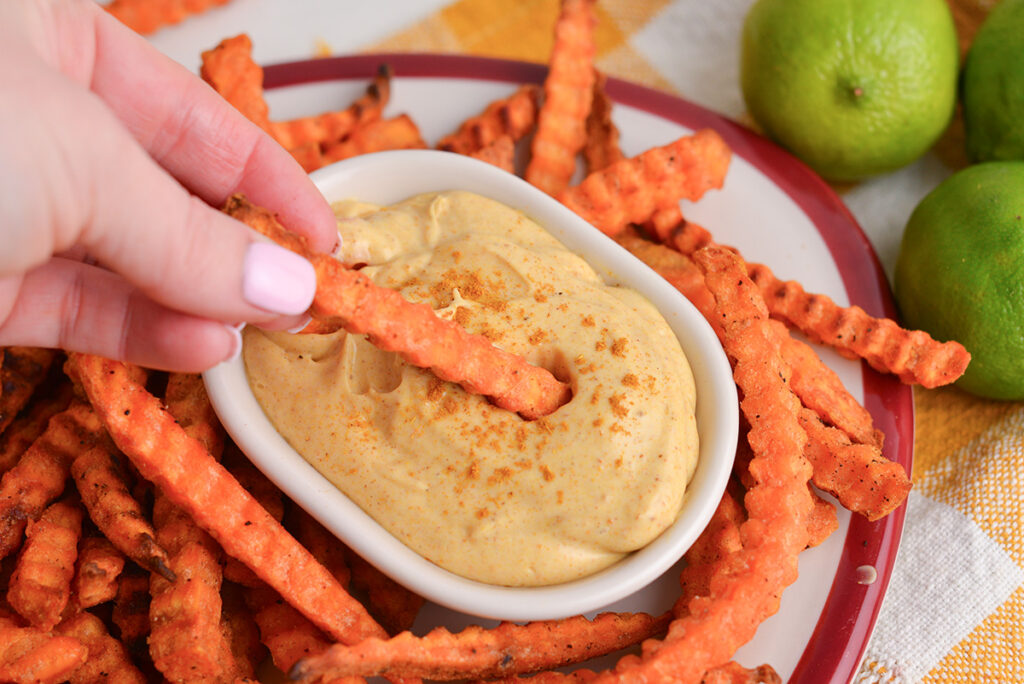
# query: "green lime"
{"type": "Point", "coordinates": [960, 273]}
{"type": "Point", "coordinates": [993, 86]}
{"type": "Point", "coordinates": [852, 87]}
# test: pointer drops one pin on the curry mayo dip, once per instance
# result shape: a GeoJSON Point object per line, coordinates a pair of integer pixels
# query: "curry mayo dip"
{"type": "Point", "coordinates": [471, 487]}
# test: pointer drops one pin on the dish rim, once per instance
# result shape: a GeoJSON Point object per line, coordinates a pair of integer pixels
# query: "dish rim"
{"type": "Point", "coordinates": [717, 408]}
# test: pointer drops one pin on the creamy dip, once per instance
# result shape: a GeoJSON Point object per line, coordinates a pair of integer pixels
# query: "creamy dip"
{"type": "Point", "coordinates": [474, 488]}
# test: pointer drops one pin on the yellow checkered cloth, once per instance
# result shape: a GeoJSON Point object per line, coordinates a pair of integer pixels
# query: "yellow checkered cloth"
{"type": "Point", "coordinates": [955, 607]}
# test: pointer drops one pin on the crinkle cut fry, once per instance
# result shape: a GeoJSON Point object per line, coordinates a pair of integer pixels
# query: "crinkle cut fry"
{"type": "Point", "coordinates": [185, 639]}
{"type": "Point", "coordinates": [40, 587]}
{"type": "Point", "coordinates": [858, 475]}
{"type": "Point", "coordinates": [146, 16]}
{"type": "Point", "coordinates": [397, 133]}
{"type": "Point", "coordinates": [286, 633]}
{"type": "Point", "coordinates": [194, 481]}
{"type": "Point", "coordinates": [349, 299]}
{"type": "Point", "coordinates": [815, 383]}
{"type": "Point", "coordinates": [632, 190]}
{"type": "Point", "coordinates": [188, 402]}
{"type": "Point", "coordinates": [822, 521]}
{"type": "Point", "coordinates": [131, 608]}
{"type": "Point", "coordinates": [476, 652]}
{"type": "Point", "coordinates": [911, 355]}
{"type": "Point", "coordinates": [231, 71]}
{"type": "Point", "coordinates": [602, 147]}
{"type": "Point", "coordinates": [22, 369]}
{"type": "Point", "coordinates": [561, 122]}
{"type": "Point", "coordinates": [394, 606]}
{"type": "Point", "coordinates": [500, 153]}
{"type": "Point", "coordinates": [32, 656]}
{"type": "Point", "coordinates": [108, 659]}
{"type": "Point", "coordinates": [777, 505]}
{"type": "Point", "coordinates": [734, 673]}
{"type": "Point", "coordinates": [31, 423]}
{"type": "Point", "coordinates": [241, 633]}
{"type": "Point", "coordinates": [508, 117]}
{"type": "Point", "coordinates": [331, 127]}
{"type": "Point", "coordinates": [580, 676]}
{"type": "Point", "coordinates": [97, 570]}
{"type": "Point", "coordinates": [104, 492]}
{"type": "Point", "coordinates": [39, 476]}
{"type": "Point", "coordinates": [717, 544]}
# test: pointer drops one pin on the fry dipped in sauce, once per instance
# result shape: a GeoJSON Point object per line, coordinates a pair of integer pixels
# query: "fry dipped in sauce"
{"type": "Point", "coordinates": [474, 488]}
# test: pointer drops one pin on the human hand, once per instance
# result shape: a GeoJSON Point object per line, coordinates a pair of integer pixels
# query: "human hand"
{"type": "Point", "coordinates": [112, 159]}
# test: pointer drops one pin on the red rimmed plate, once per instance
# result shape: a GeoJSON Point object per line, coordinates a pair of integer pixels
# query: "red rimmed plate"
{"type": "Point", "coordinates": [777, 212]}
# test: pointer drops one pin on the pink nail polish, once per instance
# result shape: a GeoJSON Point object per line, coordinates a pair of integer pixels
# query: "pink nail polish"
{"type": "Point", "coordinates": [277, 280]}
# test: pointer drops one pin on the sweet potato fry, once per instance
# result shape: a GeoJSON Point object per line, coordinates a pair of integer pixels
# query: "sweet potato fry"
{"type": "Point", "coordinates": [146, 16]}
{"type": "Point", "coordinates": [349, 299]}
{"type": "Point", "coordinates": [821, 390]}
{"type": "Point", "coordinates": [821, 521]}
{"type": "Point", "coordinates": [391, 604]}
{"type": "Point", "coordinates": [816, 384]}
{"type": "Point", "coordinates": [602, 147]}
{"type": "Point", "coordinates": [481, 653]}
{"type": "Point", "coordinates": [286, 633]}
{"type": "Point", "coordinates": [96, 573]}
{"type": "Point", "coordinates": [858, 475]}
{"type": "Point", "coordinates": [911, 355]}
{"type": "Point", "coordinates": [332, 127]}
{"type": "Point", "coordinates": [777, 505]}
{"type": "Point", "coordinates": [131, 609]}
{"type": "Point", "coordinates": [397, 133]}
{"type": "Point", "coordinates": [40, 587]}
{"type": "Point", "coordinates": [107, 661]}
{"type": "Point", "coordinates": [561, 123]}
{"type": "Point", "coordinates": [581, 676]}
{"type": "Point", "coordinates": [631, 190]}
{"type": "Point", "coordinates": [734, 673]}
{"type": "Point", "coordinates": [23, 369]}
{"type": "Point", "coordinates": [501, 153]}
{"type": "Point", "coordinates": [231, 71]}
{"type": "Point", "coordinates": [188, 402]}
{"type": "Point", "coordinates": [718, 543]}
{"type": "Point", "coordinates": [195, 482]}
{"type": "Point", "coordinates": [664, 222]}
{"type": "Point", "coordinates": [29, 424]}
{"type": "Point", "coordinates": [241, 633]}
{"type": "Point", "coordinates": [309, 156]}
{"type": "Point", "coordinates": [324, 546]}
{"type": "Point", "coordinates": [510, 117]}
{"type": "Point", "coordinates": [32, 656]}
{"type": "Point", "coordinates": [38, 478]}
{"type": "Point", "coordinates": [185, 639]}
{"type": "Point", "coordinates": [101, 484]}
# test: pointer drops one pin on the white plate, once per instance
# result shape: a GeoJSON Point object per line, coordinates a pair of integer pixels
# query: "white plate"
{"type": "Point", "coordinates": [777, 212]}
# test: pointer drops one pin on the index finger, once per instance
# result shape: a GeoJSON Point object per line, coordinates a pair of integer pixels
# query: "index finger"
{"type": "Point", "coordinates": [197, 137]}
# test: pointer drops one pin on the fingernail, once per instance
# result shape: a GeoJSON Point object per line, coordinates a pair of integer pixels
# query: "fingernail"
{"type": "Point", "coordinates": [277, 280]}
{"type": "Point", "coordinates": [236, 348]}
{"type": "Point", "coordinates": [301, 325]}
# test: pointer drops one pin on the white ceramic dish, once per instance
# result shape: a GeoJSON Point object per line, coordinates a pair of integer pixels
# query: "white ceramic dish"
{"type": "Point", "coordinates": [389, 177]}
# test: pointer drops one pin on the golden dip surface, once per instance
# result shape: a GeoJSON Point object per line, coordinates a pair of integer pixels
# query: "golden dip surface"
{"type": "Point", "coordinates": [473, 488]}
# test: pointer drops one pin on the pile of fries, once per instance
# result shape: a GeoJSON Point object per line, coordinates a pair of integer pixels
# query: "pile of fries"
{"type": "Point", "coordinates": [136, 542]}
